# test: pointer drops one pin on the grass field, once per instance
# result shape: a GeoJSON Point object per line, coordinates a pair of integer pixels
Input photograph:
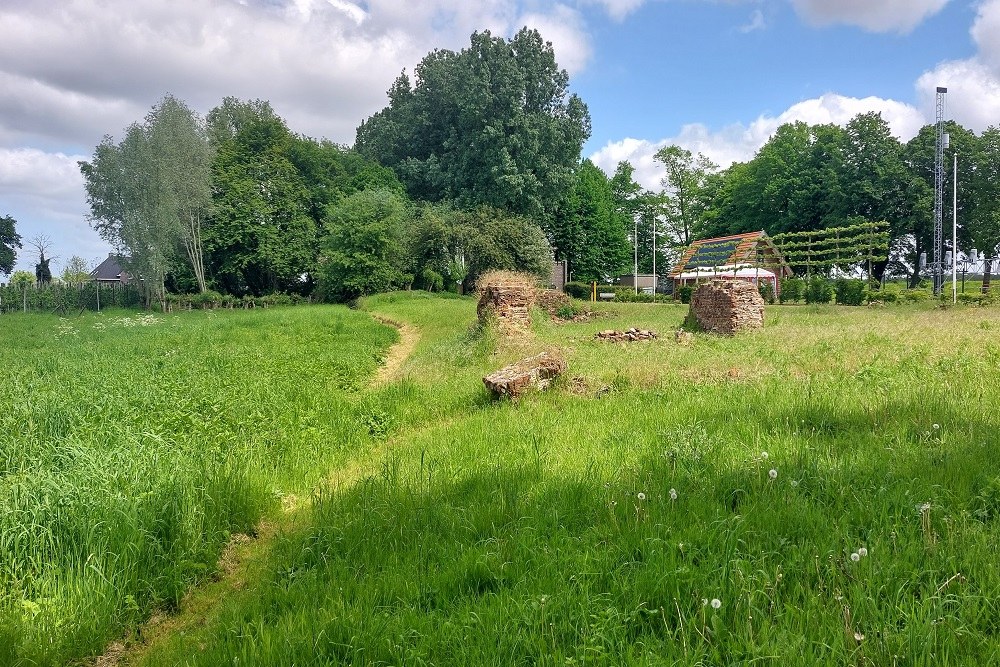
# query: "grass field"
{"type": "Point", "coordinates": [132, 446]}
{"type": "Point", "coordinates": [825, 491]}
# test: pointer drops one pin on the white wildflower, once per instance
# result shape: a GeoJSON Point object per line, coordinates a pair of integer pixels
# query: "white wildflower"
{"type": "Point", "coordinates": [862, 552]}
{"type": "Point", "coordinates": [763, 455]}
{"type": "Point", "coordinates": [795, 483]}
{"type": "Point", "coordinates": [641, 496]}
{"type": "Point", "coordinates": [855, 556]}
{"type": "Point", "coordinates": [772, 473]}
{"type": "Point", "coordinates": [673, 494]}
{"type": "Point", "coordinates": [716, 603]}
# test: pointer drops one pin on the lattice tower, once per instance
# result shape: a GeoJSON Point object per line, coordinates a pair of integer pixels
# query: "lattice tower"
{"type": "Point", "coordinates": [938, 265]}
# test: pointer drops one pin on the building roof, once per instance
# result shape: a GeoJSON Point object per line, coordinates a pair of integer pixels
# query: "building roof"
{"type": "Point", "coordinates": [110, 269]}
{"type": "Point", "coordinates": [750, 249]}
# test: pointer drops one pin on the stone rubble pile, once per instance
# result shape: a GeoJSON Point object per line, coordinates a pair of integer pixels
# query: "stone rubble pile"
{"type": "Point", "coordinates": [728, 306]}
{"type": "Point", "coordinates": [628, 336]}
{"type": "Point", "coordinates": [535, 372]}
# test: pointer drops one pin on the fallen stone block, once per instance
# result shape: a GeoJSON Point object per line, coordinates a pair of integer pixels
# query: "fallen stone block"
{"type": "Point", "coordinates": [535, 372]}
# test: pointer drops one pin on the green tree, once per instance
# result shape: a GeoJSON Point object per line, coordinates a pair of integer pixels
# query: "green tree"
{"type": "Point", "coordinates": [982, 227]}
{"type": "Point", "coordinates": [261, 237]}
{"type": "Point", "coordinates": [492, 125]}
{"type": "Point", "coordinates": [10, 242]}
{"type": "Point", "coordinates": [363, 249]}
{"type": "Point", "coordinates": [75, 271]}
{"type": "Point", "coordinates": [685, 183]}
{"type": "Point", "coordinates": [490, 238]}
{"type": "Point", "coordinates": [919, 155]}
{"type": "Point", "coordinates": [149, 193]}
{"type": "Point", "coordinates": [590, 229]}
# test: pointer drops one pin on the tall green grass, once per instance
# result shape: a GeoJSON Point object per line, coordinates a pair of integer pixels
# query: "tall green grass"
{"type": "Point", "coordinates": [630, 516]}
{"type": "Point", "coordinates": [132, 447]}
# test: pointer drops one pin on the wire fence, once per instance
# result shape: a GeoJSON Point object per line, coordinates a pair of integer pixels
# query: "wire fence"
{"type": "Point", "coordinates": [64, 299]}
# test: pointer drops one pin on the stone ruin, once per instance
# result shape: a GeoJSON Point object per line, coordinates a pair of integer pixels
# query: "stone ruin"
{"type": "Point", "coordinates": [506, 297]}
{"type": "Point", "coordinates": [727, 306]}
{"type": "Point", "coordinates": [629, 336]}
{"type": "Point", "coordinates": [551, 301]}
{"type": "Point", "coordinates": [535, 372]}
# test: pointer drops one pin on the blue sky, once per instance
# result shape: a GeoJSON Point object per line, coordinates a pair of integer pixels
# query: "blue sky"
{"type": "Point", "coordinates": [715, 76]}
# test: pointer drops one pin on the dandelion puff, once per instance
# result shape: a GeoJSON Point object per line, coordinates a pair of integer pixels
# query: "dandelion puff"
{"type": "Point", "coordinates": [795, 483]}
{"type": "Point", "coordinates": [862, 552]}
{"type": "Point", "coordinates": [772, 473]}
{"type": "Point", "coordinates": [716, 603]}
{"type": "Point", "coordinates": [858, 637]}
{"type": "Point", "coordinates": [673, 494]}
{"type": "Point", "coordinates": [641, 495]}
{"type": "Point", "coordinates": [855, 556]}
{"type": "Point", "coordinates": [936, 426]}
{"type": "Point", "coordinates": [704, 602]}
{"type": "Point", "coordinates": [763, 455]}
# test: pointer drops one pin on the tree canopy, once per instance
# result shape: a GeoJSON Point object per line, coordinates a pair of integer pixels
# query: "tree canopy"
{"type": "Point", "coordinates": [493, 124]}
{"type": "Point", "coordinates": [10, 242]}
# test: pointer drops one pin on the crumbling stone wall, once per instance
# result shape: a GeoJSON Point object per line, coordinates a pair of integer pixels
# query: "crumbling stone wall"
{"type": "Point", "coordinates": [727, 306]}
{"type": "Point", "coordinates": [508, 298]}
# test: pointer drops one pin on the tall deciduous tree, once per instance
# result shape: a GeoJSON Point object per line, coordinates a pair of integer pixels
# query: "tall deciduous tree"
{"type": "Point", "coordinates": [492, 125]}
{"type": "Point", "coordinates": [590, 229]}
{"type": "Point", "coordinates": [10, 242]}
{"type": "Point", "coordinates": [148, 193]}
{"type": "Point", "coordinates": [982, 227]}
{"type": "Point", "coordinates": [261, 237]}
{"type": "Point", "coordinates": [684, 182]}
{"type": "Point", "coordinates": [363, 248]}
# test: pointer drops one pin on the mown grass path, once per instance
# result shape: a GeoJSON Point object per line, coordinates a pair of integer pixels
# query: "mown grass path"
{"type": "Point", "coordinates": [244, 558]}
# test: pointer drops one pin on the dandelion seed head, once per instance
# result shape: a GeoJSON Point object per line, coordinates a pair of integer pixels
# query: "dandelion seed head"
{"type": "Point", "coordinates": [704, 602]}
{"type": "Point", "coordinates": [936, 426]}
{"type": "Point", "coordinates": [862, 552]}
{"type": "Point", "coordinates": [763, 455]}
{"type": "Point", "coordinates": [795, 483]}
{"type": "Point", "coordinates": [772, 473]}
{"type": "Point", "coordinates": [855, 556]}
{"type": "Point", "coordinates": [716, 603]}
{"type": "Point", "coordinates": [858, 637]}
{"type": "Point", "coordinates": [641, 495]}
{"type": "Point", "coordinates": [673, 494]}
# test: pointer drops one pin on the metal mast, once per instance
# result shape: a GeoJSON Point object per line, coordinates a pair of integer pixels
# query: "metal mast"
{"type": "Point", "coordinates": [942, 140]}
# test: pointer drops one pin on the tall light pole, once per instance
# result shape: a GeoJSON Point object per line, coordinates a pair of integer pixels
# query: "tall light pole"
{"type": "Point", "coordinates": [954, 234]}
{"type": "Point", "coordinates": [635, 247]}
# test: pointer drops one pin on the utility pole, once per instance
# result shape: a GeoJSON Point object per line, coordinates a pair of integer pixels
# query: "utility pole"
{"type": "Point", "coordinates": [937, 268]}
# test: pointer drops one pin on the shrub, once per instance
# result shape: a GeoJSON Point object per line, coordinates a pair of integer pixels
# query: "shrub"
{"type": "Point", "coordinates": [977, 299]}
{"type": "Point", "coordinates": [431, 280]}
{"type": "Point", "coordinates": [818, 290]}
{"type": "Point", "coordinates": [683, 294]}
{"type": "Point", "coordinates": [849, 292]}
{"type": "Point", "coordinates": [914, 296]}
{"type": "Point", "coordinates": [791, 290]}
{"type": "Point", "coordinates": [577, 290]}
{"type": "Point", "coordinates": [766, 290]}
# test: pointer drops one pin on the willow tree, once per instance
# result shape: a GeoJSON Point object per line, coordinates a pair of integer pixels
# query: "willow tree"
{"type": "Point", "coordinates": [150, 192]}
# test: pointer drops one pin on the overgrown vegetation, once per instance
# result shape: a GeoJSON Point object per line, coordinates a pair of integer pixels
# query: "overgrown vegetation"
{"type": "Point", "coordinates": [640, 515]}
{"type": "Point", "coordinates": [133, 446]}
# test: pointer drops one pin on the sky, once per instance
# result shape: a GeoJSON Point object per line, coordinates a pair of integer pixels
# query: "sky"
{"type": "Point", "coordinates": [714, 76]}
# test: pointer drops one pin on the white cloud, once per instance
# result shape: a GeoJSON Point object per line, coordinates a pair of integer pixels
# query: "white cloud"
{"type": "Point", "coordinates": [986, 32]}
{"type": "Point", "coordinates": [739, 142]}
{"type": "Point", "coordinates": [874, 15]}
{"type": "Point", "coordinates": [618, 9]}
{"type": "Point", "coordinates": [564, 28]}
{"type": "Point", "coordinates": [973, 84]}
{"type": "Point", "coordinates": [756, 22]}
